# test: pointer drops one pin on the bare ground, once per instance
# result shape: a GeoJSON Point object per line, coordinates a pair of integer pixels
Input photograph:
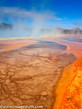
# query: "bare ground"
{"type": "Point", "coordinates": [28, 76]}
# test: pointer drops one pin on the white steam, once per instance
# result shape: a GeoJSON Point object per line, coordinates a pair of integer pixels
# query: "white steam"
{"type": "Point", "coordinates": [25, 23]}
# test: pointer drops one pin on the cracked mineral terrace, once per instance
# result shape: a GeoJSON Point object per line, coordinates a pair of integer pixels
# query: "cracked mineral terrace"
{"type": "Point", "coordinates": [29, 74]}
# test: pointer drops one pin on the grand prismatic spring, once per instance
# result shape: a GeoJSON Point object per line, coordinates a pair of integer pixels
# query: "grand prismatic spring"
{"type": "Point", "coordinates": [41, 54]}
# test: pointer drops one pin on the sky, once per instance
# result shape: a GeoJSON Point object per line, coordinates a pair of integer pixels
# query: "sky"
{"type": "Point", "coordinates": [40, 14]}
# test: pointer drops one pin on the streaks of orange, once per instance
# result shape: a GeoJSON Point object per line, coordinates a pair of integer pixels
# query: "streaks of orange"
{"type": "Point", "coordinates": [68, 48]}
{"type": "Point", "coordinates": [11, 44]}
{"type": "Point", "coordinates": [69, 96]}
{"type": "Point", "coordinates": [72, 97]}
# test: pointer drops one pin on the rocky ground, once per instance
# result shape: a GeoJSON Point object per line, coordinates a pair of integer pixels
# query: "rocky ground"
{"type": "Point", "coordinates": [28, 75]}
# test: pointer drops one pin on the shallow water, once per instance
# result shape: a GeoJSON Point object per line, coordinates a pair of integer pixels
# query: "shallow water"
{"type": "Point", "coordinates": [47, 44]}
{"type": "Point", "coordinates": [1, 48]}
{"type": "Point", "coordinates": [74, 40]}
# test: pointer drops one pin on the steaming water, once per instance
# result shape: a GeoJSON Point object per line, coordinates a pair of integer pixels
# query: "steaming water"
{"type": "Point", "coordinates": [74, 40]}
{"type": "Point", "coordinates": [1, 48]}
{"type": "Point", "coordinates": [46, 44]}
{"type": "Point", "coordinates": [43, 47]}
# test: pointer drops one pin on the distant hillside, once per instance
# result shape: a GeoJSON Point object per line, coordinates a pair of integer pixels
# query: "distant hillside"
{"type": "Point", "coordinates": [5, 26]}
{"type": "Point", "coordinates": [71, 31]}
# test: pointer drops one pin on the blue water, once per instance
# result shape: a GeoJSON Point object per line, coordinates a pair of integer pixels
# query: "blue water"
{"type": "Point", "coordinates": [47, 44]}
{"type": "Point", "coordinates": [74, 40]}
{"type": "Point", "coordinates": [1, 48]}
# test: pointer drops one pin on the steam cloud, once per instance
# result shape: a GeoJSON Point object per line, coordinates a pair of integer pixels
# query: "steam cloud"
{"type": "Point", "coordinates": [26, 23]}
